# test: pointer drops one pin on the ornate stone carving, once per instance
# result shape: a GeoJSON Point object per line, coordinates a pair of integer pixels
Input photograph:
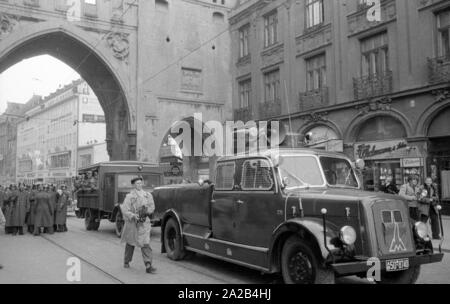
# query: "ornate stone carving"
{"type": "Point", "coordinates": [315, 117]}
{"type": "Point", "coordinates": [119, 44]}
{"type": "Point", "coordinates": [441, 95]}
{"type": "Point", "coordinates": [380, 104]}
{"type": "Point", "coordinates": [313, 40]}
{"type": "Point", "coordinates": [7, 24]}
{"type": "Point", "coordinates": [273, 55]}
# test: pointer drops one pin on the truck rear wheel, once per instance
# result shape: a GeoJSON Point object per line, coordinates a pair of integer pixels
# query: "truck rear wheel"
{"type": "Point", "coordinates": [119, 224]}
{"type": "Point", "coordinates": [409, 276]}
{"type": "Point", "coordinates": [90, 221]}
{"type": "Point", "coordinates": [299, 264]}
{"type": "Point", "coordinates": [172, 241]}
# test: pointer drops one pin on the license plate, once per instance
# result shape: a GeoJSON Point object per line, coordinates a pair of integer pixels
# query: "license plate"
{"type": "Point", "coordinates": [397, 265]}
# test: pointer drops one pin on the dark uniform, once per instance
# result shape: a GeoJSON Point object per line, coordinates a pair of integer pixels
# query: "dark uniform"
{"type": "Point", "coordinates": [43, 213]}
{"type": "Point", "coordinates": [63, 201]}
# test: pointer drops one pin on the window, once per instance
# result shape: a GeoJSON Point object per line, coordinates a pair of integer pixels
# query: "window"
{"type": "Point", "coordinates": [225, 176]}
{"type": "Point", "coordinates": [60, 161]}
{"type": "Point", "coordinates": [314, 13]}
{"type": "Point", "coordinates": [272, 86]}
{"type": "Point", "coordinates": [375, 56]}
{"type": "Point", "coordinates": [444, 34]}
{"type": "Point", "coordinates": [245, 91]}
{"type": "Point", "coordinates": [316, 73]}
{"type": "Point", "coordinates": [243, 40]}
{"type": "Point", "coordinates": [270, 29]}
{"type": "Point", "coordinates": [256, 175]}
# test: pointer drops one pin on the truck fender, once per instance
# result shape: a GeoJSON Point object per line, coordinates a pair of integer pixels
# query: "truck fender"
{"type": "Point", "coordinates": [171, 213]}
{"type": "Point", "coordinates": [310, 229]}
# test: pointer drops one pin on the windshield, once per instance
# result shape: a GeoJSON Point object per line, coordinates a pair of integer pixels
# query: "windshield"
{"type": "Point", "coordinates": [300, 171]}
{"type": "Point", "coordinates": [338, 172]}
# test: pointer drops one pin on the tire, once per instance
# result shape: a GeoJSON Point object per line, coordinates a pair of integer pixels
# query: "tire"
{"type": "Point", "coordinates": [173, 241]}
{"type": "Point", "coordinates": [89, 221]}
{"type": "Point", "coordinates": [119, 224]}
{"type": "Point", "coordinates": [299, 264]}
{"type": "Point", "coordinates": [409, 276]}
{"type": "Point", "coordinates": [78, 213]}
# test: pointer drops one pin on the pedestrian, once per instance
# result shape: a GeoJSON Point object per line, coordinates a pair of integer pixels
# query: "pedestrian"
{"type": "Point", "coordinates": [136, 210]}
{"type": "Point", "coordinates": [53, 201]}
{"type": "Point", "coordinates": [19, 207]}
{"type": "Point", "coordinates": [389, 187]}
{"type": "Point", "coordinates": [31, 212]}
{"type": "Point", "coordinates": [63, 201]}
{"type": "Point", "coordinates": [10, 206]}
{"type": "Point", "coordinates": [428, 207]}
{"type": "Point", "coordinates": [43, 217]}
{"type": "Point", "coordinates": [2, 222]}
{"type": "Point", "coordinates": [410, 192]}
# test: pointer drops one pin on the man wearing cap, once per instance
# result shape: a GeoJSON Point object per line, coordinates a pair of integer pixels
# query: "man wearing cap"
{"type": "Point", "coordinates": [63, 201]}
{"type": "Point", "coordinates": [136, 209]}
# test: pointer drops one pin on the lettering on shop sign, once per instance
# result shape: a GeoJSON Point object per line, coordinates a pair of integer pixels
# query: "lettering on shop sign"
{"type": "Point", "coordinates": [370, 150]}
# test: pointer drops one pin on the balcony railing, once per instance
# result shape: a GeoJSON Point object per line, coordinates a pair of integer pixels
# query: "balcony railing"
{"type": "Point", "coordinates": [372, 85]}
{"type": "Point", "coordinates": [270, 109]}
{"type": "Point", "coordinates": [243, 114]}
{"type": "Point", "coordinates": [439, 69]}
{"type": "Point", "coordinates": [313, 99]}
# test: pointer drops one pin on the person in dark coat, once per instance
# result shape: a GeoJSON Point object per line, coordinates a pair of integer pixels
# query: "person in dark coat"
{"type": "Point", "coordinates": [43, 211]}
{"type": "Point", "coordinates": [428, 207]}
{"type": "Point", "coordinates": [389, 187]}
{"type": "Point", "coordinates": [31, 212]}
{"type": "Point", "coordinates": [19, 203]}
{"type": "Point", "coordinates": [53, 200]}
{"type": "Point", "coordinates": [63, 201]}
{"type": "Point", "coordinates": [10, 203]}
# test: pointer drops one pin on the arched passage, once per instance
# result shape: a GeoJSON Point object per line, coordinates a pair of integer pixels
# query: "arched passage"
{"type": "Point", "coordinates": [67, 44]}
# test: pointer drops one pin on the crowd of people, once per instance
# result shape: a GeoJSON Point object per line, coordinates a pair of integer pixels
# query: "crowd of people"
{"type": "Point", "coordinates": [422, 200]}
{"type": "Point", "coordinates": [39, 208]}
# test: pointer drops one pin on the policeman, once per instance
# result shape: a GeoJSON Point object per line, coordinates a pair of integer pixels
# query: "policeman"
{"type": "Point", "coordinates": [136, 210]}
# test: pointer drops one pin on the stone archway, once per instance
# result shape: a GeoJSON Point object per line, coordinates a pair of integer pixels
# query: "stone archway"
{"type": "Point", "coordinates": [84, 54]}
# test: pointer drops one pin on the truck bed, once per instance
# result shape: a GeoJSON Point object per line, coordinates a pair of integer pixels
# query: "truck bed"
{"type": "Point", "coordinates": [191, 201]}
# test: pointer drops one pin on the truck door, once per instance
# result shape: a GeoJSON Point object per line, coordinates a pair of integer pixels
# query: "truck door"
{"type": "Point", "coordinates": [223, 203]}
{"type": "Point", "coordinates": [257, 208]}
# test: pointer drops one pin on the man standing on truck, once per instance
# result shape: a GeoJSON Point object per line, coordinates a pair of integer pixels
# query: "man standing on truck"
{"type": "Point", "coordinates": [136, 211]}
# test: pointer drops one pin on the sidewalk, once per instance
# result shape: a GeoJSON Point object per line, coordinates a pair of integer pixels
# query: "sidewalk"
{"type": "Point", "coordinates": [446, 243]}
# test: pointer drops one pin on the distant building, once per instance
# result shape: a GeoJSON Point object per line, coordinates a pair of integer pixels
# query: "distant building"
{"type": "Point", "coordinates": [54, 129]}
{"type": "Point", "coordinates": [92, 154]}
{"type": "Point", "coordinates": [8, 137]}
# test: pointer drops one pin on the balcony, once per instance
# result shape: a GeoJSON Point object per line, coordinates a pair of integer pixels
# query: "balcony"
{"type": "Point", "coordinates": [243, 114]}
{"type": "Point", "coordinates": [270, 109]}
{"type": "Point", "coordinates": [313, 99]}
{"type": "Point", "coordinates": [439, 69]}
{"type": "Point", "coordinates": [372, 85]}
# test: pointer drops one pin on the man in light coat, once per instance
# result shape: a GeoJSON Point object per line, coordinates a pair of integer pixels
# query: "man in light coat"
{"type": "Point", "coordinates": [136, 210]}
{"type": "Point", "coordinates": [410, 192]}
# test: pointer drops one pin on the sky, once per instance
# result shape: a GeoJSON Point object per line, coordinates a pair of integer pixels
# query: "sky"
{"type": "Point", "coordinates": [39, 75]}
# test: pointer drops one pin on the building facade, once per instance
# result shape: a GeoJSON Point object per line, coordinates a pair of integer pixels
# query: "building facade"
{"type": "Point", "coordinates": [8, 141]}
{"type": "Point", "coordinates": [54, 129]}
{"type": "Point", "coordinates": [372, 83]}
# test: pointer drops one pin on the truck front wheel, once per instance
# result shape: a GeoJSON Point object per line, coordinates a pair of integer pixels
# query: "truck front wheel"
{"type": "Point", "coordinates": [409, 276]}
{"type": "Point", "coordinates": [172, 241]}
{"type": "Point", "coordinates": [299, 264]}
{"type": "Point", "coordinates": [119, 224]}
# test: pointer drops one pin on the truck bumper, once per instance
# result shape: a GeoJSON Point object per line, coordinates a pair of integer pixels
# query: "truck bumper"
{"type": "Point", "coordinates": [346, 269]}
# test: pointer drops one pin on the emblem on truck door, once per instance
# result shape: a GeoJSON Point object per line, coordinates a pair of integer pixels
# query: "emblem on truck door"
{"type": "Point", "coordinates": [397, 244]}
{"type": "Point", "coordinates": [392, 220]}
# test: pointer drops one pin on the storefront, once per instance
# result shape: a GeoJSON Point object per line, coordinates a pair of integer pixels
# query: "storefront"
{"type": "Point", "coordinates": [381, 143]}
{"type": "Point", "coordinates": [438, 162]}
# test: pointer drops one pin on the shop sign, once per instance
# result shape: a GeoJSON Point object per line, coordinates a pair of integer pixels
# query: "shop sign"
{"type": "Point", "coordinates": [31, 175]}
{"type": "Point", "coordinates": [412, 162]}
{"type": "Point", "coordinates": [173, 171]}
{"type": "Point", "coordinates": [381, 150]}
{"type": "Point", "coordinates": [59, 174]}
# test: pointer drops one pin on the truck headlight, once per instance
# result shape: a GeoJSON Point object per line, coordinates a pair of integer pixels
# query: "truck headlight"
{"type": "Point", "coordinates": [347, 235]}
{"type": "Point", "coordinates": [421, 230]}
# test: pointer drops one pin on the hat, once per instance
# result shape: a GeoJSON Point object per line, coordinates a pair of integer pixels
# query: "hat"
{"type": "Point", "coordinates": [136, 179]}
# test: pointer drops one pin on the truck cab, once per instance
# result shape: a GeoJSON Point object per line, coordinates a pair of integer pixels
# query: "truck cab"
{"type": "Point", "coordinates": [101, 188]}
{"type": "Point", "coordinates": [298, 212]}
